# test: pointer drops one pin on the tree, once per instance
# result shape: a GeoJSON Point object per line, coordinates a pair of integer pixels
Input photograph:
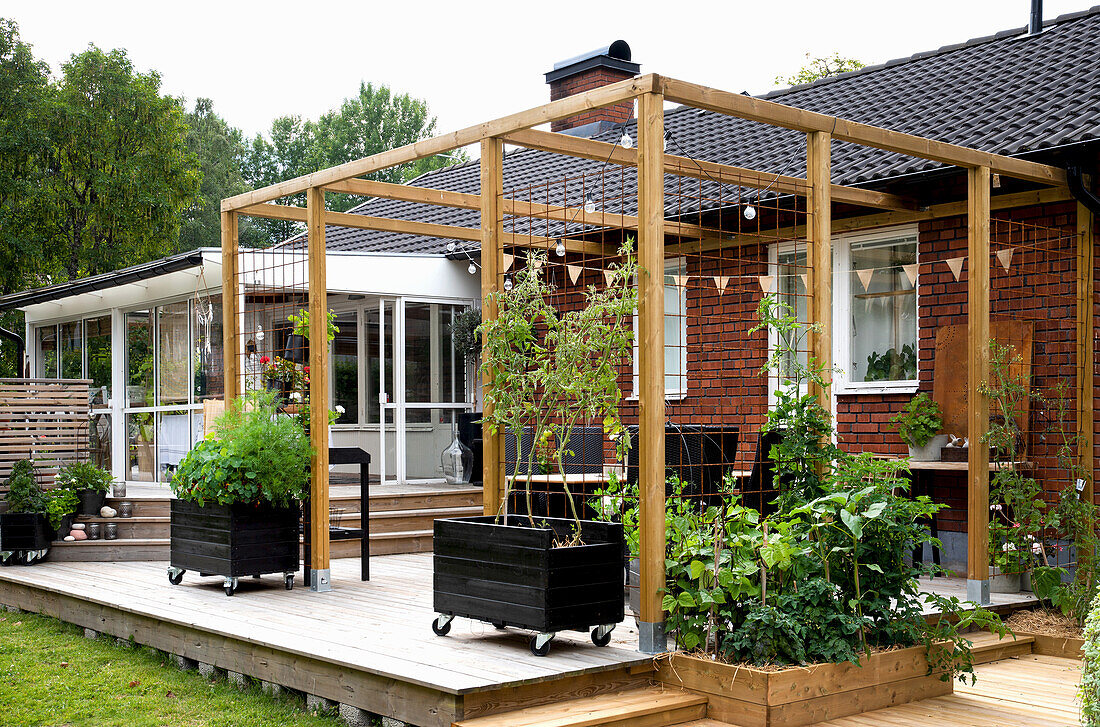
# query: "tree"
{"type": "Point", "coordinates": [220, 150]}
{"type": "Point", "coordinates": [818, 68]}
{"type": "Point", "coordinates": [119, 176]}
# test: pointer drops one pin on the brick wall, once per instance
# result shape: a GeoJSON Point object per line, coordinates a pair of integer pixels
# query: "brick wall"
{"type": "Point", "coordinates": [586, 81]}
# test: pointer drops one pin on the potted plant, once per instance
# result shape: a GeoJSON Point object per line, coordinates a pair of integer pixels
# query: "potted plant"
{"type": "Point", "coordinates": [297, 343]}
{"type": "Point", "coordinates": [238, 496]}
{"type": "Point", "coordinates": [32, 517]}
{"type": "Point", "coordinates": [548, 372]}
{"type": "Point", "coordinates": [919, 424]}
{"type": "Point", "coordinates": [89, 483]}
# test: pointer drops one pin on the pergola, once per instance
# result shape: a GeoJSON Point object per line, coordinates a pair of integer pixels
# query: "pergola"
{"type": "Point", "coordinates": [653, 167]}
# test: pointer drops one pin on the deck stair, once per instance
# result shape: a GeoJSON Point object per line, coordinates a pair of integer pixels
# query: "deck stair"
{"type": "Point", "coordinates": [401, 522]}
{"type": "Point", "coordinates": [989, 647]}
{"type": "Point", "coordinates": [652, 706]}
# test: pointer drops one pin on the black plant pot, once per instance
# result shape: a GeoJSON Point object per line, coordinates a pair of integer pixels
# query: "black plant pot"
{"type": "Point", "coordinates": [234, 541]}
{"type": "Point", "coordinates": [91, 502]}
{"type": "Point", "coordinates": [297, 348]}
{"type": "Point", "coordinates": [511, 575]}
{"type": "Point", "coordinates": [24, 534]}
{"type": "Point", "coordinates": [65, 527]}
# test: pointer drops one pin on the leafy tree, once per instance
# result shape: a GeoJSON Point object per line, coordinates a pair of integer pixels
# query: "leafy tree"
{"type": "Point", "coordinates": [119, 175]}
{"type": "Point", "coordinates": [818, 68]}
{"type": "Point", "coordinates": [220, 150]}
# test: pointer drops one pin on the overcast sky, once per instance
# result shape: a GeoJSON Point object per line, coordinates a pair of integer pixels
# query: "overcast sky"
{"type": "Point", "coordinates": [474, 61]}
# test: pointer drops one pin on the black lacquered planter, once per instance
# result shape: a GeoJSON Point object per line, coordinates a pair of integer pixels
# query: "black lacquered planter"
{"type": "Point", "coordinates": [24, 537]}
{"type": "Point", "coordinates": [512, 575]}
{"type": "Point", "coordinates": [234, 541]}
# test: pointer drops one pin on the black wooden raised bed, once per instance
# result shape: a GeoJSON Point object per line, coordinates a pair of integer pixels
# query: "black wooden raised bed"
{"type": "Point", "coordinates": [511, 575]}
{"type": "Point", "coordinates": [234, 541]}
{"type": "Point", "coordinates": [25, 537]}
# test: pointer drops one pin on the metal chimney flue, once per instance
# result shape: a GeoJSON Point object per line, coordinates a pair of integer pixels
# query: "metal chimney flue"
{"type": "Point", "coordinates": [1035, 25]}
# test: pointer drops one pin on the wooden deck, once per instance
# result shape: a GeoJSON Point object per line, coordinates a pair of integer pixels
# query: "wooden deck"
{"type": "Point", "coordinates": [368, 644]}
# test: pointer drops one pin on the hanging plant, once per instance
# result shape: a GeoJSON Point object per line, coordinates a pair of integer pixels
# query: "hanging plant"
{"type": "Point", "coordinates": [464, 334]}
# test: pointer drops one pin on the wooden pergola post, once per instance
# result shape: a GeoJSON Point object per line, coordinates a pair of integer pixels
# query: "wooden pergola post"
{"type": "Point", "coordinates": [231, 320]}
{"type": "Point", "coordinates": [1086, 289]}
{"type": "Point", "coordinates": [977, 370]}
{"type": "Point", "coordinates": [819, 256]}
{"type": "Point", "coordinates": [651, 370]}
{"type": "Point", "coordinates": [492, 262]}
{"type": "Point", "coordinates": [320, 577]}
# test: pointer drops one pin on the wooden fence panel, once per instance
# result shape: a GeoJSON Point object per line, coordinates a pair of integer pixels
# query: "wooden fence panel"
{"type": "Point", "coordinates": [45, 420]}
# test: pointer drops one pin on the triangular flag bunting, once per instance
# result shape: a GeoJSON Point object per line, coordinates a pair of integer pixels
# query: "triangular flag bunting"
{"type": "Point", "coordinates": [680, 281]}
{"type": "Point", "coordinates": [608, 275]}
{"type": "Point", "coordinates": [956, 265]}
{"type": "Point", "coordinates": [805, 280]}
{"type": "Point", "coordinates": [865, 276]}
{"type": "Point", "coordinates": [766, 283]}
{"type": "Point", "coordinates": [574, 272]}
{"type": "Point", "coordinates": [911, 272]}
{"type": "Point", "coordinates": [721, 281]}
{"type": "Point", "coordinates": [1005, 257]}
{"type": "Point", "coordinates": [508, 260]}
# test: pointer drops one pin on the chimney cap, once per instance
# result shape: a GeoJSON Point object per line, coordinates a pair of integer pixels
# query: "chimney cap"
{"type": "Point", "coordinates": [616, 55]}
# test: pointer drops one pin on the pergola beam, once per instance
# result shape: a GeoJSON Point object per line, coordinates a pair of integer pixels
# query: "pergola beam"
{"type": "Point", "coordinates": [700, 169]}
{"type": "Point", "coordinates": [544, 114]}
{"type": "Point", "coordinates": [775, 114]}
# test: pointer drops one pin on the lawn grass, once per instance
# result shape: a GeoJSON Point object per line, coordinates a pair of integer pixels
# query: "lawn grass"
{"type": "Point", "coordinates": [50, 675]}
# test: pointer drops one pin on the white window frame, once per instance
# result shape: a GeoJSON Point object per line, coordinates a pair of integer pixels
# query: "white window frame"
{"type": "Point", "coordinates": [842, 312]}
{"type": "Point", "coordinates": [774, 251]}
{"type": "Point", "coordinates": [673, 266]}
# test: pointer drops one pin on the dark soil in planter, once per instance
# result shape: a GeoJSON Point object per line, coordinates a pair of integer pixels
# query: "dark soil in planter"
{"type": "Point", "coordinates": [91, 501]}
{"type": "Point", "coordinates": [234, 540]}
{"type": "Point", "coordinates": [511, 575]}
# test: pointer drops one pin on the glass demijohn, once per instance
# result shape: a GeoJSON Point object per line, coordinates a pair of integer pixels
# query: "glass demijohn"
{"type": "Point", "coordinates": [457, 460]}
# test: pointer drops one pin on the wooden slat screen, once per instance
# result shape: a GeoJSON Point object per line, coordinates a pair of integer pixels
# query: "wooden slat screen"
{"type": "Point", "coordinates": [45, 420]}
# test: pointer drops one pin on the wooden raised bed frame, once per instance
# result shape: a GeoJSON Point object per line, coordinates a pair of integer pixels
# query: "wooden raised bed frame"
{"type": "Point", "coordinates": [749, 697]}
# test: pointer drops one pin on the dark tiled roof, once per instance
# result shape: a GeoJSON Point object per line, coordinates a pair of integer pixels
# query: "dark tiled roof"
{"type": "Point", "coordinates": [1009, 93]}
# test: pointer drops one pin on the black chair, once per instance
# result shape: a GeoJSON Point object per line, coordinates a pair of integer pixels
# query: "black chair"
{"type": "Point", "coordinates": [698, 454]}
{"type": "Point", "coordinates": [759, 489]}
{"type": "Point", "coordinates": [584, 455]}
{"type": "Point", "coordinates": [346, 455]}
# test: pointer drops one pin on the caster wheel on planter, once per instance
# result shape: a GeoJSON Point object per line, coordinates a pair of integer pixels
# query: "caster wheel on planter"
{"type": "Point", "coordinates": [175, 578]}
{"type": "Point", "coordinates": [230, 586]}
{"type": "Point", "coordinates": [600, 640]}
{"type": "Point", "coordinates": [539, 650]}
{"type": "Point", "coordinates": [441, 630]}
{"type": "Point", "coordinates": [499, 626]}
{"type": "Point", "coordinates": [288, 581]}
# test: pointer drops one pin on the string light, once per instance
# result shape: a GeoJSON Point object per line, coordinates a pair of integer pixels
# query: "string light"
{"type": "Point", "coordinates": [750, 212]}
{"type": "Point", "coordinates": [589, 203]}
{"type": "Point", "coordinates": [472, 269]}
{"type": "Point", "coordinates": [664, 142]}
{"type": "Point", "coordinates": [625, 141]}
{"type": "Point", "coordinates": [507, 283]}
{"type": "Point", "coordinates": [560, 249]}
{"type": "Point", "coordinates": [451, 246]}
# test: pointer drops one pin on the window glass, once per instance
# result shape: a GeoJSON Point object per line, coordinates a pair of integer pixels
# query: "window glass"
{"type": "Point", "coordinates": [173, 353]}
{"type": "Point", "coordinates": [431, 368]}
{"type": "Point", "coordinates": [173, 441]}
{"type": "Point", "coordinates": [207, 355]}
{"type": "Point", "coordinates": [675, 308]}
{"type": "Point", "coordinates": [98, 334]}
{"type": "Point", "coordinates": [46, 367]}
{"type": "Point", "coordinates": [72, 351]}
{"type": "Point", "coordinates": [790, 269]}
{"type": "Point", "coordinates": [374, 361]}
{"type": "Point", "coordinates": [883, 304]}
{"type": "Point", "coordinates": [140, 443]}
{"type": "Point", "coordinates": [345, 368]}
{"type": "Point", "coordinates": [99, 440]}
{"type": "Point", "coordinates": [139, 359]}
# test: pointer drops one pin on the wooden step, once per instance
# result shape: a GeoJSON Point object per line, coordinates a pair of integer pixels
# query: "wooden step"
{"type": "Point", "coordinates": [133, 527]}
{"type": "Point", "coordinates": [384, 502]}
{"type": "Point", "coordinates": [989, 647]}
{"type": "Point", "coordinates": [123, 549]}
{"type": "Point", "coordinates": [144, 506]}
{"type": "Point", "coordinates": [645, 707]}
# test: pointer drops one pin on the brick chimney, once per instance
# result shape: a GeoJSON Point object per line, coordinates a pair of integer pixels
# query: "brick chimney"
{"type": "Point", "coordinates": [585, 72]}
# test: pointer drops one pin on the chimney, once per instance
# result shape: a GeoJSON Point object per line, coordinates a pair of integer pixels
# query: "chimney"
{"type": "Point", "coordinates": [1035, 24]}
{"type": "Point", "coordinates": [590, 70]}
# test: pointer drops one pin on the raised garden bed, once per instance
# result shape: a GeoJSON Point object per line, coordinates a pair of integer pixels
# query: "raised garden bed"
{"type": "Point", "coordinates": [750, 697]}
{"type": "Point", "coordinates": [24, 537]}
{"type": "Point", "coordinates": [512, 575]}
{"type": "Point", "coordinates": [234, 541]}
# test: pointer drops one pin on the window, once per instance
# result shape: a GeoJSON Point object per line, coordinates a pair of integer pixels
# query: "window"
{"type": "Point", "coordinates": [46, 355]}
{"type": "Point", "coordinates": [876, 311]}
{"type": "Point", "coordinates": [790, 275]}
{"type": "Point", "coordinates": [98, 342]}
{"type": "Point", "coordinates": [72, 351]}
{"type": "Point", "coordinates": [675, 331]}
{"type": "Point", "coordinates": [345, 368]}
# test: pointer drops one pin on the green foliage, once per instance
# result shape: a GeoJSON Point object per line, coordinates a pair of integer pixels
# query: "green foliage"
{"type": "Point", "coordinates": [257, 456]}
{"type": "Point", "coordinates": [549, 370]}
{"type": "Point", "coordinates": [919, 420]}
{"type": "Point", "coordinates": [24, 494]}
{"type": "Point", "coordinates": [464, 335]}
{"type": "Point", "coordinates": [1089, 691]}
{"type": "Point", "coordinates": [219, 150]}
{"type": "Point", "coordinates": [84, 476]}
{"type": "Point", "coordinates": [948, 648]}
{"type": "Point", "coordinates": [892, 366]}
{"type": "Point", "coordinates": [59, 503]}
{"type": "Point", "coordinates": [301, 323]}
{"type": "Point", "coordinates": [817, 68]}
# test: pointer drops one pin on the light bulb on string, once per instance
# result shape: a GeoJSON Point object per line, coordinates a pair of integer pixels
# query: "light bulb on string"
{"type": "Point", "coordinates": [560, 249]}
{"type": "Point", "coordinates": [507, 283]}
{"type": "Point", "coordinates": [452, 246]}
{"type": "Point", "coordinates": [259, 333]}
{"type": "Point", "coordinates": [472, 269]}
{"type": "Point", "coordinates": [589, 203]}
{"type": "Point", "coordinates": [750, 212]}
{"type": "Point", "coordinates": [625, 141]}
{"type": "Point", "coordinates": [664, 141]}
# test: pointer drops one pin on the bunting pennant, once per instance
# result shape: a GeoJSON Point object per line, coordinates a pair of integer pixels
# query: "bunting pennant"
{"type": "Point", "coordinates": [680, 281]}
{"type": "Point", "coordinates": [766, 282]}
{"type": "Point", "coordinates": [956, 265]}
{"type": "Point", "coordinates": [508, 260]}
{"type": "Point", "coordinates": [865, 276]}
{"type": "Point", "coordinates": [911, 272]}
{"type": "Point", "coordinates": [805, 280]}
{"type": "Point", "coordinates": [720, 282]}
{"type": "Point", "coordinates": [608, 276]}
{"type": "Point", "coordinates": [574, 272]}
{"type": "Point", "coordinates": [1005, 257]}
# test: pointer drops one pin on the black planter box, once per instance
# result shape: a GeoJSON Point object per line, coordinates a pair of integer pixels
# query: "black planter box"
{"type": "Point", "coordinates": [91, 502]}
{"type": "Point", "coordinates": [510, 575]}
{"type": "Point", "coordinates": [25, 531]}
{"type": "Point", "coordinates": [234, 540]}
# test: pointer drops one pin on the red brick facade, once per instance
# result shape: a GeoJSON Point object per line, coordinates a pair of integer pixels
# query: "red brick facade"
{"type": "Point", "coordinates": [586, 81]}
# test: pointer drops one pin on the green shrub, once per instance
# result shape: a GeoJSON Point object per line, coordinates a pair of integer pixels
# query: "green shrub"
{"type": "Point", "coordinates": [59, 503]}
{"type": "Point", "coordinates": [24, 494]}
{"type": "Point", "coordinates": [84, 476]}
{"type": "Point", "coordinates": [257, 456]}
{"type": "Point", "coordinates": [919, 421]}
{"type": "Point", "coordinates": [1089, 691]}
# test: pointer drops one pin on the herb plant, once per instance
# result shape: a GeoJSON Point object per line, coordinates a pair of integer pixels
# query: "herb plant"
{"type": "Point", "coordinates": [59, 503]}
{"type": "Point", "coordinates": [920, 420]}
{"type": "Point", "coordinates": [301, 323]}
{"type": "Point", "coordinates": [84, 476]}
{"type": "Point", "coordinates": [24, 494]}
{"type": "Point", "coordinates": [1089, 691]}
{"type": "Point", "coordinates": [892, 365]}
